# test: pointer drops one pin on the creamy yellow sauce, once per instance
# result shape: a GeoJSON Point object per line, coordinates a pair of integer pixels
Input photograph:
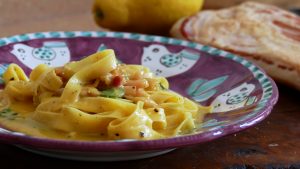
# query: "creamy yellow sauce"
{"type": "Point", "coordinates": [23, 123]}
{"type": "Point", "coordinates": [95, 99]}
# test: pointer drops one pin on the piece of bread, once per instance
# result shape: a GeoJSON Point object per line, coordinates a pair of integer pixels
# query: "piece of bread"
{"type": "Point", "coordinates": [286, 4]}
{"type": "Point", "coordinates": [264, 34]}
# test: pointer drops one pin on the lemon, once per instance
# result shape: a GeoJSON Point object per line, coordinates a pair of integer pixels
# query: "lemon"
{"type": "Point", "coordinates": [143, 16]}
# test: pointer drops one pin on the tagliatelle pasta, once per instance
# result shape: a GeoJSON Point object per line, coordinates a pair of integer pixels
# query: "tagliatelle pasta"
{"type": "Point", "coordinates": [95, 99]}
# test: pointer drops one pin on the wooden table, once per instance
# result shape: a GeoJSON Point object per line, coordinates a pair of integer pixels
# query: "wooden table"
{"type": "Point", "coordinates": [272, 144]}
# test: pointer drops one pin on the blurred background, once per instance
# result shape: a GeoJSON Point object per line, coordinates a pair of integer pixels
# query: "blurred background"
{"type": "Point", "coordinates": [23, 16]}
{"type": "Point", "coordinates": [287, 4]}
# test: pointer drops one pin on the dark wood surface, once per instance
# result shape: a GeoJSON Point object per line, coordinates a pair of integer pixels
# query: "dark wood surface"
{"type": "Point", "coordinates": [272, 144]}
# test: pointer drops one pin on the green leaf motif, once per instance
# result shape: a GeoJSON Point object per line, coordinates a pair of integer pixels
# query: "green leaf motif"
{"type": "Point", "coordinates": [201, 89]}
{"type": "Point", "coordinates": [102, 47]}
{"type": "Point", "coordinates": [205, 96]}
{"type": "Point", "coordinates": [193, 87]}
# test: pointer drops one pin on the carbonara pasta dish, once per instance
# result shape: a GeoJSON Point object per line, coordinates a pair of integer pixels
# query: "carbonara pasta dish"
{"type": "Point", "coordinates": [95, 98]}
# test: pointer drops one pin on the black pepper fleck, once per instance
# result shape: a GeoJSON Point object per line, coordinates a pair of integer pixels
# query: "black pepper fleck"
{"type": "Point", "coordinates": [12, 79]}
{"type": "Point", "coordinates": [142, 134]}
{"type": "Point", "coordinates": [117, 134]}
{"type": "Point", "coordinates": [156, 110]}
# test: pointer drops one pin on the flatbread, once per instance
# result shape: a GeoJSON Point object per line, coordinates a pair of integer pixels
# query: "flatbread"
{"type": "Point", "coordinates": [264, 34]}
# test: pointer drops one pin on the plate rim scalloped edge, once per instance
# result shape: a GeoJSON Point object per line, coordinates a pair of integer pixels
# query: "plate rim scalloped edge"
{"type": "Point", "coordinates": [263, 109]}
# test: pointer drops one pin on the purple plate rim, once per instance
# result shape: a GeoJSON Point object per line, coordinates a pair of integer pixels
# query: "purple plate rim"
{"type": "Point", "coordinates": [137, 145]}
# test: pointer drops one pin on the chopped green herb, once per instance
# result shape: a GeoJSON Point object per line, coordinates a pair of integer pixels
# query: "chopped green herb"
{"type": "Point", "coordinates": [162, 86]}
{"type": "Point", "coordinates": [113, 92]}
{"type": "Point", "coordinates": [8, 114]}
